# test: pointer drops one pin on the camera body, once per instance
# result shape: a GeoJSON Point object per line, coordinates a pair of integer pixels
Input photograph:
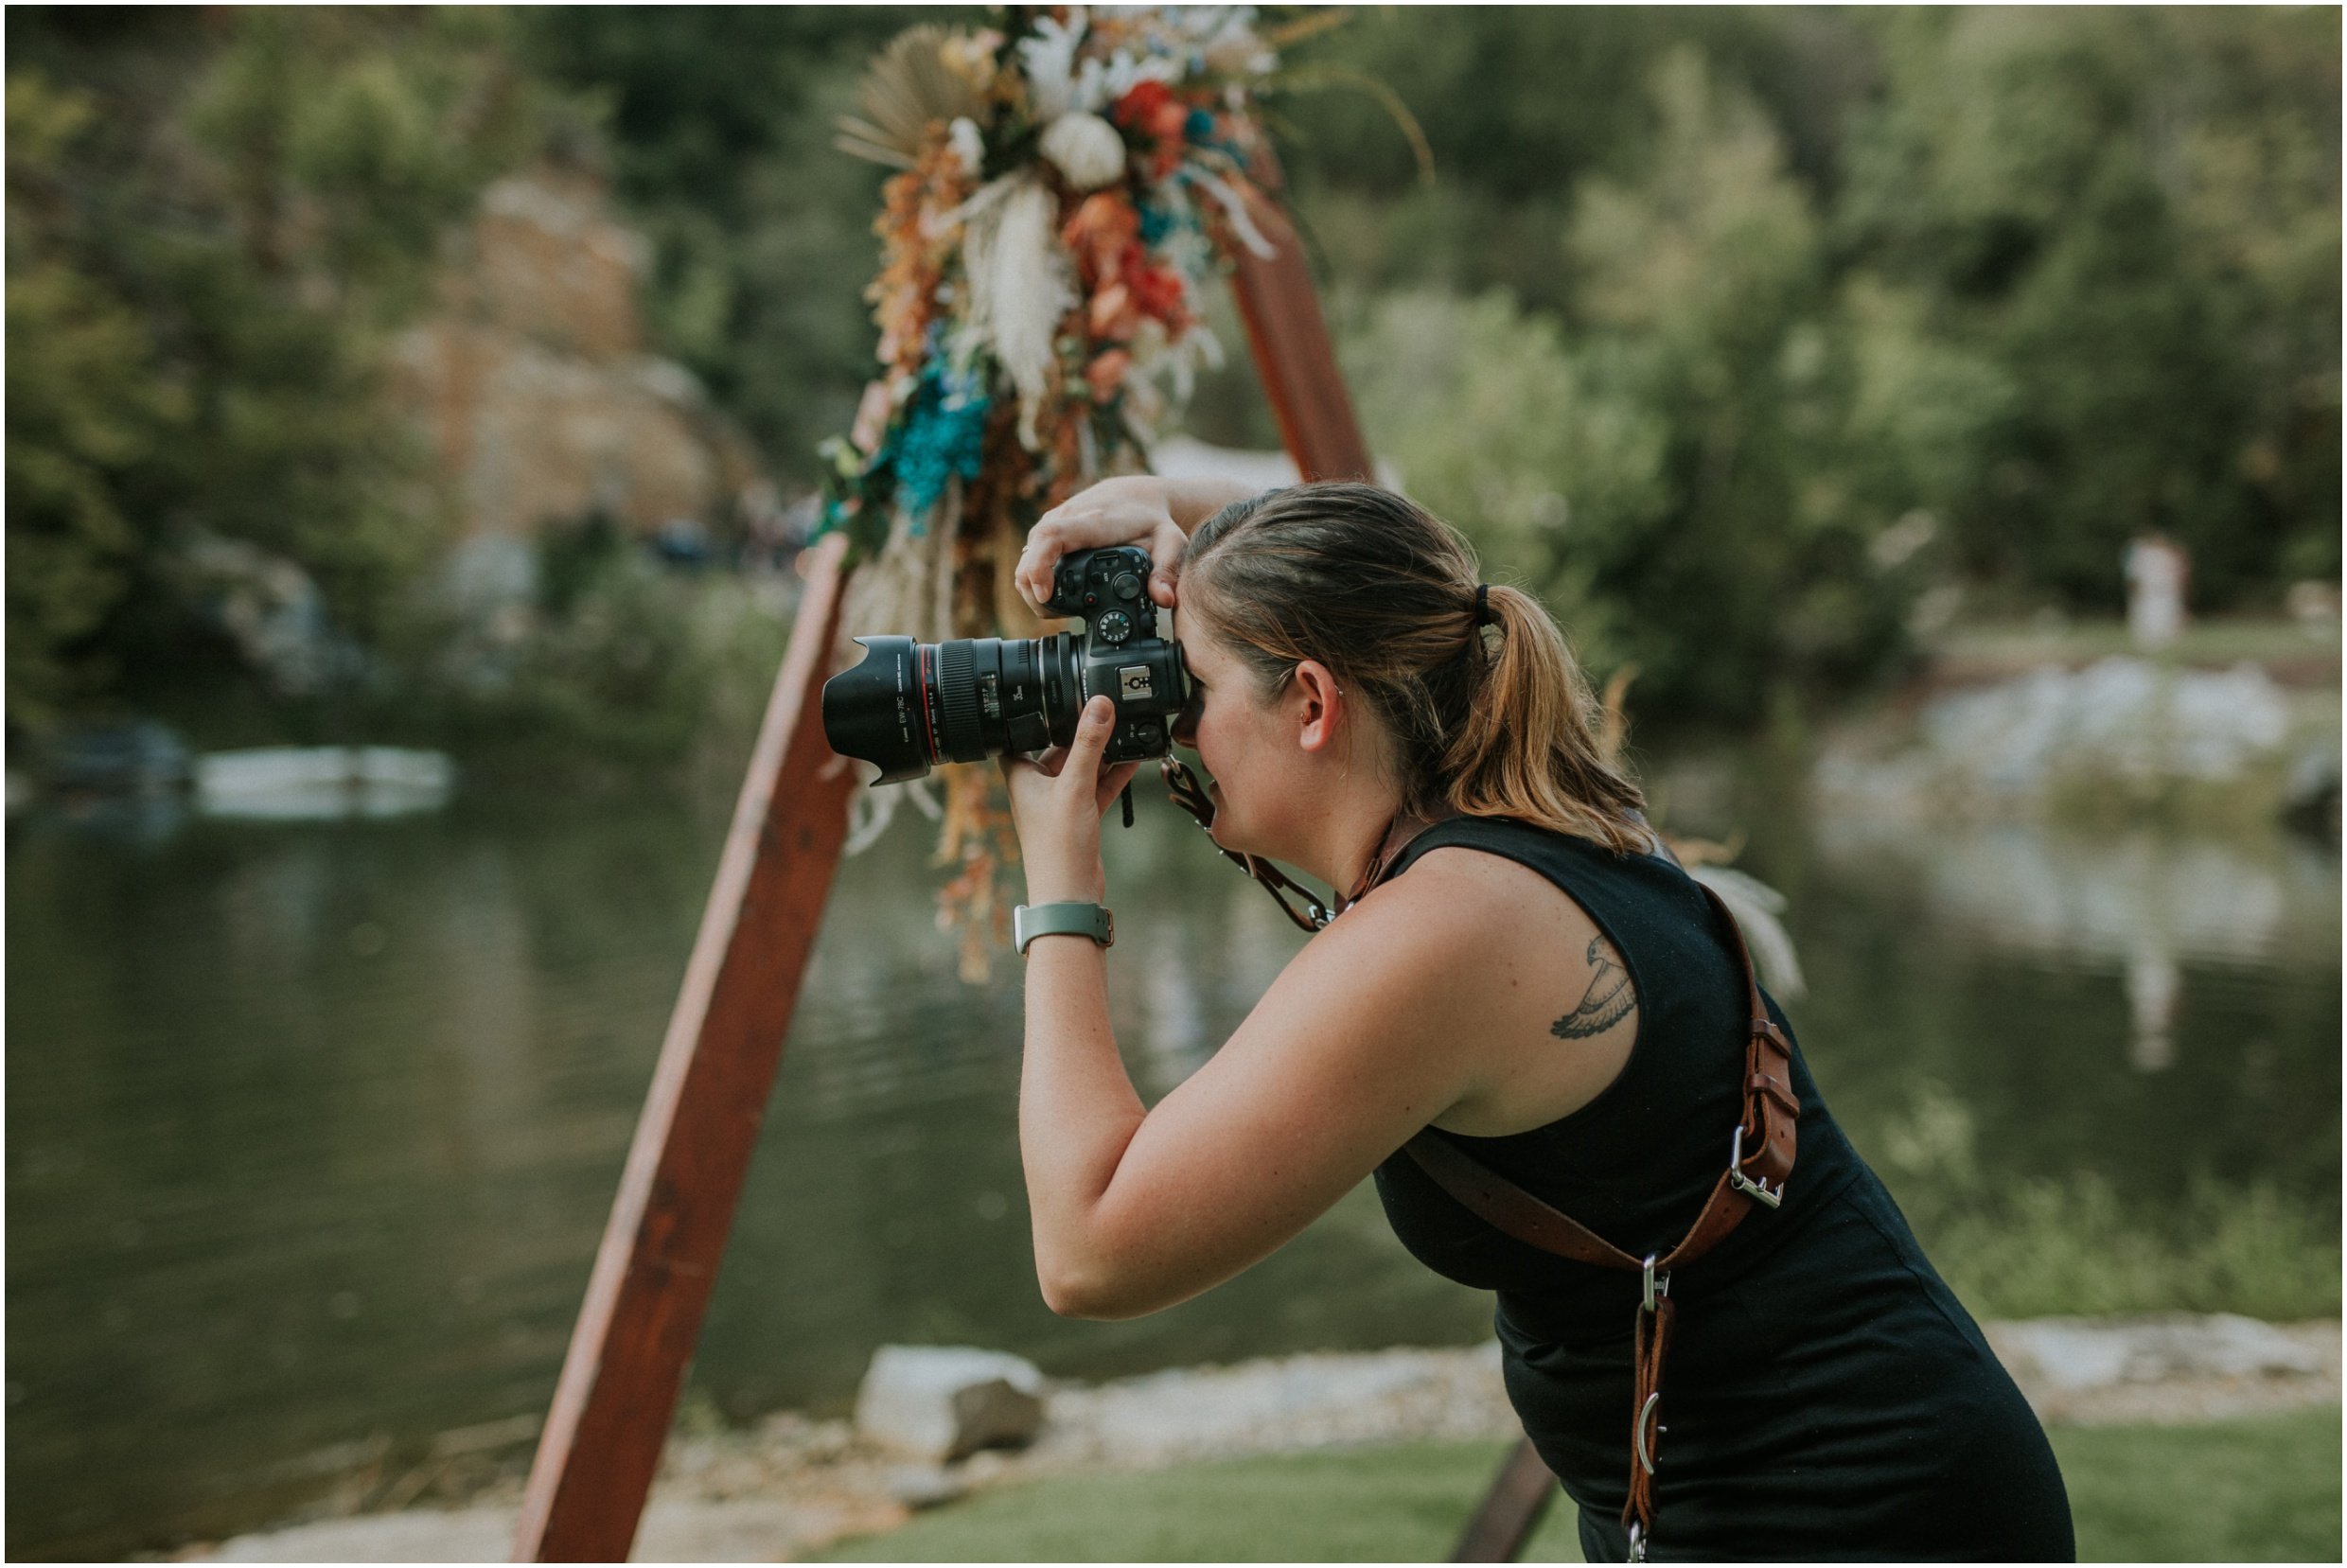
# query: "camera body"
{"type": "Point", "coordinates": [1121, 653]}
{"type": "Point", "coordinates": [909, 706]}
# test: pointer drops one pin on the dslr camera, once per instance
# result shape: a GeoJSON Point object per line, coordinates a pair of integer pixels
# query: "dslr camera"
{"type": "Point", "coordinates": [909, 706]}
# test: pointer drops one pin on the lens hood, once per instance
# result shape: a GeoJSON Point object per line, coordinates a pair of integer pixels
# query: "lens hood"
{"type": "Point", "coordinates": [876, 711]}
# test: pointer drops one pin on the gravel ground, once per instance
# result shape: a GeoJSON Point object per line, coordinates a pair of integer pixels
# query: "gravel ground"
{"type": "Point", "coordinates": [791, 1486]}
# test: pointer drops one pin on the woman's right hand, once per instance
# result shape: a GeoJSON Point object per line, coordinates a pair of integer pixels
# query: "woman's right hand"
{"type": "Point", "coordinates": [1131, 509]}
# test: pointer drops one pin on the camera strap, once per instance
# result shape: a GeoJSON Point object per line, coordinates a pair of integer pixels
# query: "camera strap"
{"type": "Point", "coordinates": [1192, 797]}
{"type": "Point", "coordinates": [1761, 1157]}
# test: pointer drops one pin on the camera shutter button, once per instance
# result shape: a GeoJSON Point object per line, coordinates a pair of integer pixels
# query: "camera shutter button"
{"type": "Point", "coordinates": [1127, 585]}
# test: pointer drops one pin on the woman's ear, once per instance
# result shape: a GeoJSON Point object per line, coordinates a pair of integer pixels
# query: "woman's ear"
{"type": "Point", "coordinates": [1315, 703]}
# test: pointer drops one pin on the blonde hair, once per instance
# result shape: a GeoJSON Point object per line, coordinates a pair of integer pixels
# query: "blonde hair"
{"type": "Point", "coordinates": [1384, 593]}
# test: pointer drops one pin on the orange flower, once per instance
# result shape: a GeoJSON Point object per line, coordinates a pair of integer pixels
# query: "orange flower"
{"type": "Point", "coordinates": [1103, 225]}
{"type": "Point", "coordinates": [1106, 372]}
{"type": "Point", "coordinates": [904, 295]}
{"type": "Point", "coordinates": [1111, 314]}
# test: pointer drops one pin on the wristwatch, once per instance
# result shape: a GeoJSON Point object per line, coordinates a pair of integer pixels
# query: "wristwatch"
{"type": "Point", "coordinates": [1053, 919]}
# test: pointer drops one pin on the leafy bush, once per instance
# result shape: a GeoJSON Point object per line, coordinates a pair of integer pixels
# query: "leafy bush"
{"type": "Point", "coordinates": [629, 674]}
{"type": "Point", "coordinates": [214, 224]}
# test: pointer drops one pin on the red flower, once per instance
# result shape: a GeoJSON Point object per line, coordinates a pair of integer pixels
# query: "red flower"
{"type": "Point", "coordinates": [1134, 109]}
{"type": "Point", "coordinates": [1158, 292]}
{"type": "Point", "coordinates": [1152, 109]}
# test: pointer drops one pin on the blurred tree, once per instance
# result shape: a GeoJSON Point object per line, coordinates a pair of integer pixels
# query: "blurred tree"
{"type": "Point", "coordinates": [2134, 214]}
{"type": "Point", "coordinates": [1518, 104]}
{"type": "Point", "coordinates": [1729, 328]}
{"type": "Point", "coordinates": [1672, 470]}
{"type": "Point", "coordinates": [720, 123]}
{"type": "Point", "coordinates": [87, 404]}
{"type": "Point", "coordinates": [214, 223]}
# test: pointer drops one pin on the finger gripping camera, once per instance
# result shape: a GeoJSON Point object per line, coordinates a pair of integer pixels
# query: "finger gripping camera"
{"type": "Point", "coordinates": [909, 706]}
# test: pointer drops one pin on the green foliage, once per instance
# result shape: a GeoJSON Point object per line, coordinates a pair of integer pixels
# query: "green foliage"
{"type": "Point", "coordinates": [624, 671]}
{"type": "Point", "coordinates": [721, 123]}
{"type": "Point", "coordinates": [87, 405]}
{"type": "Point", "coordinates": [207, 253]}
{"type": "Point", "coordinates": [1904, 297]}
{"type": "Point", "coordinates": [2074, 1247]}
{"type": "Point", "coordinates": [2135, 216]}
{"type": "Point", "coordinates": [1731, 331]}
{"type": "Point", "coordinates": [1697, 472]}
{"type": "Point", "coordinates": [2077, 1247]}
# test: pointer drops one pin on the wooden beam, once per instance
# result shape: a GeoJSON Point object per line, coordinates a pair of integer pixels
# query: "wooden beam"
{"type": "Point", "coordinates": [1293, 353]}
{"type": "Point", "coordinates": [1503, 1522]}
{"type": "Point", "coordinates": [652, 1275]}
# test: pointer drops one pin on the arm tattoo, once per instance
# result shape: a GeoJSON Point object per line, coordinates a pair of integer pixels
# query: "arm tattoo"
{"type": "Point", "coordinates": [1606, 1002]}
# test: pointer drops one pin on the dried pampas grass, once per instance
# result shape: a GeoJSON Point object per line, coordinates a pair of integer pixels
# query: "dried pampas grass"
{"type": "Point", "coordinates": [1020, 290]}
{"type": "Point", "coordinates": [905, 590]}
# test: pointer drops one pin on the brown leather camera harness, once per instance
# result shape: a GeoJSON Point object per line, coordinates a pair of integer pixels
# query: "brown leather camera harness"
{"type": "Point", "coordinates": [1760, 1157]}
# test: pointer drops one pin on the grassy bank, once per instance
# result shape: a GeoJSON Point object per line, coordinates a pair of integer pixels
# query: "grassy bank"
{"type": "Point", "coordinates": [2258, 1490]}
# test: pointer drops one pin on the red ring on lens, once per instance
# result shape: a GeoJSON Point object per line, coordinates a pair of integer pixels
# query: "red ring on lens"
{"type": "Point", "coordinates": [926, 686]}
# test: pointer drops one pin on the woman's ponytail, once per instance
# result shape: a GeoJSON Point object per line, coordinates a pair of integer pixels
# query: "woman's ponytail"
{"type": "Point", "coordinates": [1490, 713]}
{"type": "Point", "coordinates": [1526, 747]}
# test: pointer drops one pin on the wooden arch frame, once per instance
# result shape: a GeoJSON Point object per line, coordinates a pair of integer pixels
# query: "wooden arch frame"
{"type": "Point", "coordinates": [657, 1260]}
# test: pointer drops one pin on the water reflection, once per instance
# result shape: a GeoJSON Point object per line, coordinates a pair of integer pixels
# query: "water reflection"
{"type": "Point", "coordinates": [2140, 902]}
{"type": "Point", "coordinates": [312, 1129]}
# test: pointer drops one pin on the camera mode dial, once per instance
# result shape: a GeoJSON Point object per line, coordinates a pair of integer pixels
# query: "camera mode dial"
{"type": "Point", "coordinates": [1114, 626]}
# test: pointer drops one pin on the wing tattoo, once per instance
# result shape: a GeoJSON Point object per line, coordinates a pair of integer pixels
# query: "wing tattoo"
{"type": "Point", "coordinates": [1606, 1002]}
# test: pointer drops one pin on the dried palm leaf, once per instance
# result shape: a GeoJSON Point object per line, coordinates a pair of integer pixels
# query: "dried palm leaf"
{"type": "Point", "coordinates": [1309, 78]}
{"type": "Point", "coordinates": [1756, 907]}
{"type": "Point", "coordinates": [1291, 33]}
{"type": "Point", "coordinates": [909, 89]}
{"type": "Point", "coordinates": [1613, 723]}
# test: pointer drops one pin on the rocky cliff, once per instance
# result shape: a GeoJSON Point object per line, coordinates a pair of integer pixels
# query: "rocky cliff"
{"type": "Point", "coordinates": [534, 379]}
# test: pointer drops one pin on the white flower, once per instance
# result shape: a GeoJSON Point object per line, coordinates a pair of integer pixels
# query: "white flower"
{"type": "Point", "coordinates": [1084, 147]}
{"type": "Point", "coordinates": [1050, 56]}
{"type": "Point", "coordinates": [969, 148]}
{"type": "Point", "coordinates": [1099, 85]}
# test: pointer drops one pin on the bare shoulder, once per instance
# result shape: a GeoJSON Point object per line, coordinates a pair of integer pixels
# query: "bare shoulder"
{"type": "Point", "coordinates": [1534, 998]}
{"type": "Point", "coordinates": [1469, 897]}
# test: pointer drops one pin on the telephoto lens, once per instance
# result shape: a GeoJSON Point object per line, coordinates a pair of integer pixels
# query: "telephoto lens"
{"type": "Point", "coordinates": [909, 706]}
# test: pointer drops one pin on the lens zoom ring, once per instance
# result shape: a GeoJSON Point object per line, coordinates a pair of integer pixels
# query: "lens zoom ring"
{"type": "Point", "coordinates": [957, 695]}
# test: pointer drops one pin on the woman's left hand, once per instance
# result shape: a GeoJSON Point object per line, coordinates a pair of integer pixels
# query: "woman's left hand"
{"type": "Point", "coordinates": [1057, 802]}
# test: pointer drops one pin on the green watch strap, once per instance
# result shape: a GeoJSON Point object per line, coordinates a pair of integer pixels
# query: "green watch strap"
{"type": "Point", "coordinates": [1055, 919]}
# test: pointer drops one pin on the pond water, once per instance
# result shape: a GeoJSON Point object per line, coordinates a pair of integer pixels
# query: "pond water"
{"type": "Point", "coordinates": [312, 1129]}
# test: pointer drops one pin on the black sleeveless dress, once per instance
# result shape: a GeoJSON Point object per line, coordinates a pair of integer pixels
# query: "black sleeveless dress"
{"type": "Point", "coordinates": [1826, 1396]}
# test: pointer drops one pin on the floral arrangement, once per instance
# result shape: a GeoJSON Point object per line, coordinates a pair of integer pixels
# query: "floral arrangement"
{"type": "Point", "coordinates": [1067, 181]}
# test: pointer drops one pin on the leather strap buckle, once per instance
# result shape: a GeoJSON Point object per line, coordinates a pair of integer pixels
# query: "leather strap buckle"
{"type": "Point", "coordinates": [1656, 1288]}
{"type": "Point", "coordinates": [1757, 1191]}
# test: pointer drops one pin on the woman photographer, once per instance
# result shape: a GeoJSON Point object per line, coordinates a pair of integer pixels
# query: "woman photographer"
{"type": "Point", "coordinates": [1524, 1007]}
